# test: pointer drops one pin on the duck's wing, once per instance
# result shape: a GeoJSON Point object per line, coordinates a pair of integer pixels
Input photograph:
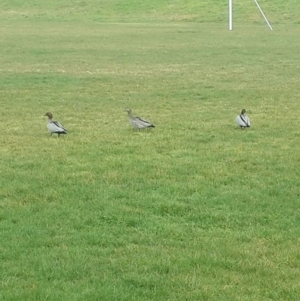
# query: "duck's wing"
{"type": "Point", "coordinates": [136, 123]}
{"type": "Point", "coordinates": [59, 125]}
{"type": "Point", "coordinates": [245, 120]}
{"type": "Point", "coordinates": [242, 121]}
{"type": "Point", "coordinates": [55, 127]}
{"type": "Point", "coordinates": [144, 123]}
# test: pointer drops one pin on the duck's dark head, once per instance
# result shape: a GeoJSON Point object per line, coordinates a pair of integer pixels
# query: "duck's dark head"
{"type": "Point", "coordinates": [49, 115]}
{"type": "Point", "coordinates": [243, 111]}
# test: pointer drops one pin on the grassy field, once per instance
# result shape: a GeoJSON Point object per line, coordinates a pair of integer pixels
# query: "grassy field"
{"type": "Point", "coordinates": [195, 209]}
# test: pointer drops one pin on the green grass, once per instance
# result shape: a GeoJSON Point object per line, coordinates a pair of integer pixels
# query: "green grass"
{"type": "Point", "coordinates": [149, 11]}
{"type": "Point", "coordinates": [194, 209]}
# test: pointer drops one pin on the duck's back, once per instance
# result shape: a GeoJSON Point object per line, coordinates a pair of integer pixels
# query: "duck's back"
{"type": "Point", "coordinates": [55, 127]}
{"type": "Point", "coordinates": [242, 120]}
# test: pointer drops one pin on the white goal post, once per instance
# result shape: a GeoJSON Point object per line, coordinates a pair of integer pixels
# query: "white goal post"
{"type": "Point", "coordinates": [256, 3]}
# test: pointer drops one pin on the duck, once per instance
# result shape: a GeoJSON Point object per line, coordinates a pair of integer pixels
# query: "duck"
{"type": "Point", "coordinates": [54, 127]}
{"type": "Point", "coordinates": [242, 120]}
{"type": "Point", "coordinates": [138, 122]}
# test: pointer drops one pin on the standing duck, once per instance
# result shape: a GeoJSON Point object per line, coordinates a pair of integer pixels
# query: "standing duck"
{"type": "Point", "coordinates": [137, 122]}
{"type": "Point", "coordinates": [54, 127]}
{"type": "Point", "coordinates": [242, 120]}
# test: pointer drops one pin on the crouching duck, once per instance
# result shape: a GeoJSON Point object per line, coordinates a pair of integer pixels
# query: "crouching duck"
{"type": "Point", "coordinates": [242, 120]}
{"type": "Point", "coordinates": [138, 122]}
{"type": "Point", "coordinates": [54, 127]}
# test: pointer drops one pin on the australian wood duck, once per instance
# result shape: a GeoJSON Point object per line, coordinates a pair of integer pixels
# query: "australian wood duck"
{"type": "Point", "coordinates": [54, 127]}
{"type": "Point", "coordinates": [242, 120]}
{"type": "Point", "coordinates": [138, 122]}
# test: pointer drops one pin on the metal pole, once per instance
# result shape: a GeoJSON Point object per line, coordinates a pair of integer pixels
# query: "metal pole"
{"type": "Point", "coordinates": [230, 14]}
{"type": "Point", "coordinates": [263, 14]}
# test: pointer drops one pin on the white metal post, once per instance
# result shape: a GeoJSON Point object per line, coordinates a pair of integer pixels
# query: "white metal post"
{"type": "Point", "coordinates": [263, 14]}
{"type": "Point", "coordinates": [230, 14]}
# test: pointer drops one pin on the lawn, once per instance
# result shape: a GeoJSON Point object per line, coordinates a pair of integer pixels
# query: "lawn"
{"type": "Point", "coordinates": [194, 209]}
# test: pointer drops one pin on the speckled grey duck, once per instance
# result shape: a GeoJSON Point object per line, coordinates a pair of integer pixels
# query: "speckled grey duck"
{"type": "Point", "coordinates": [138, 122]}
